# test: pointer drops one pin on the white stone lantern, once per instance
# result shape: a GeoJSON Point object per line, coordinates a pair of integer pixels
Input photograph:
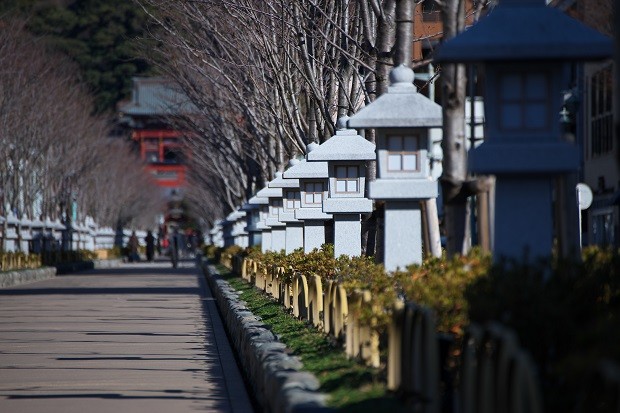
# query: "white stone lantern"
{"type": "Point", "coordinates": [291, 200]}
{"type": "Point", "coordinates": [525, 47]}
{"type": "Point", "coordinates": [346, 154]}
{"type": "Point", "coordinates": [25, 234]}
{"type": "Point", "coordinates": [217, 234]}
{"type": "Point", "coordinates": [238, 233]}
{"type": "Point", "coordinates": [11, 235]}
{"type": "Point", "coordinates": [227, 231]}
{"type": "Point", "coordinates": [274, 235]}
{"type": "Point", "coordinates": [313, 184]}
{"type": "Point", "coordinates": [254, 226]}
{"type": "Point", "coordinates": [402, 118]}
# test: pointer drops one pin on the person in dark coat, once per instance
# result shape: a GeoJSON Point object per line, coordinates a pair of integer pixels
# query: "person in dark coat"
{"type": "Point", "coordinates": [133, 244]}
{"type": "Point", "coordinates": [150, 246]}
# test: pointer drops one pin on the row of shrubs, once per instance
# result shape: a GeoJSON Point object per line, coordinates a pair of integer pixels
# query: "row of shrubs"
{"type": "Point", "coordinates": [566, 312]}
{"type": "Point", "coordinates": [10, 261]}
{"type": "Point", "coordinates": [18, 260]}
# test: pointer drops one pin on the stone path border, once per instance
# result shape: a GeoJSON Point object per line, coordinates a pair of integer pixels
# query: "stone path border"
{"type": "Point", "coordinates": [11, 278]}
{"type": "Point", "coordinates": [277, 378]}
{"type": "Point", "coordinates": [18, 277]}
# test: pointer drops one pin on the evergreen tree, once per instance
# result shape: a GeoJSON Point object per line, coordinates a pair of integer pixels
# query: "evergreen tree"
{"type": "Point", "coordinates": [100, 35]}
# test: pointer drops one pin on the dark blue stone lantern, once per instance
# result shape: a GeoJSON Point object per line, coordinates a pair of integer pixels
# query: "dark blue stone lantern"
{"type": "Point", "coordinates": [525, 49]}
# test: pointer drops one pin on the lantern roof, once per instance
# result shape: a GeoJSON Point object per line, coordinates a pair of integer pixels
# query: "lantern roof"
{"type": "Point", "coordinates": [249, 207]}
{"type": "Point", "coordinates": [235, 215]}
{"type": "Point", "coordinates": [280, 182]}
{"type": "Point", "coordinates": [525, 30]}
{"type": "Point", "coordinates": [345, 145]}
{"type": "Point", "coordinates": [268, 192]}
{"type": "Point", "coordinates": [401, 107]}
{"type": "Point", "coordinates": [257, 200]}
{"type": "Point", "coordinates": [308, 170]}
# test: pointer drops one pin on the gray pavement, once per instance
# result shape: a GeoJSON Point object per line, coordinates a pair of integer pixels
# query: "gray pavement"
{"type": "Point", "coordinates": [139, 338]}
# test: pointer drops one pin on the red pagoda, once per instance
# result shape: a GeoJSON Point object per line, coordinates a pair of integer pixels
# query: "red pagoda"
{"type": "Point", "coordinates": [154, 101]}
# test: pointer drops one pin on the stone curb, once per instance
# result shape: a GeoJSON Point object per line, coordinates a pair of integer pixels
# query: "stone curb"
{"type": "Point", "coordinates": [17, 277]}
{"type": "Point", "coordinates": [279, 383]}
{"type": "Point", "coordinates": [110, 263]}
{"type": "Point", "coordinates": [12, 278]}
{"type": "Point", "coordinates": [86, 265]}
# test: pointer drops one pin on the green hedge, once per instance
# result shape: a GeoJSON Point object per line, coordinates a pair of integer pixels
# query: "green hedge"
{"type": "Point", "coordinates": [566, 313]}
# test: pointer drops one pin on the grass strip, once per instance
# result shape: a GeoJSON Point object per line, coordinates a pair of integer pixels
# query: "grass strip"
{"type": "Point", "coordinates": [351, 386]}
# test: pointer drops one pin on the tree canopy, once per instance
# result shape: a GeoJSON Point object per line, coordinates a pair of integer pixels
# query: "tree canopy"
{"type": "Point", "coordinates": [99, 35]}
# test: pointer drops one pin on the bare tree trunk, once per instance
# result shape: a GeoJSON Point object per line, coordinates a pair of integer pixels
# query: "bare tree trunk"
{"type": "Point", "coordinates": [372, 228]}
{"type": "Point", "coordinates": [433, 242]}
{"type": "Point", "coordinates": [454, 175]}
{"type": "Point", "coordinates": [617, 80]}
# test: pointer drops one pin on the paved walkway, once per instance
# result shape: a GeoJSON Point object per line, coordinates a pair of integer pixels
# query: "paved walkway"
{"type": "Point", "coordinates": [139, 338]}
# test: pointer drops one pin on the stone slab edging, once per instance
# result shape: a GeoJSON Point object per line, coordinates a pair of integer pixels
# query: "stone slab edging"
{"type": "Point", "coordinates": [107, 263]}
{"type": "Point", "coordinates": [71, 267]}
{"type": "Point", "coordinates": [279, 383]}
{"type": "Point", "coordinates": [12, 278]}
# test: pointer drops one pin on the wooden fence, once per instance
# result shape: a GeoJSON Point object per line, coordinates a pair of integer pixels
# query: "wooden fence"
{"type": "Point", "coordinates": [18, 261]}
{"type": "Point", "coordinates": [496, 375]}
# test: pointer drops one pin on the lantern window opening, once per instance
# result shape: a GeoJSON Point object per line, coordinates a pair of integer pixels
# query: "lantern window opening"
{"type": "Point", "coordinates": [403, 153]}
{"type": "Point", "coordinates": [293, 200]}
{"type": "Point", "coordinates": [314, 193]}
{"type": "Point", "coordinates": [276, 207]}
{"type": "Point", "coordinates": [347, 179]}
{"type": "Point", "coordinates": [524, 100]}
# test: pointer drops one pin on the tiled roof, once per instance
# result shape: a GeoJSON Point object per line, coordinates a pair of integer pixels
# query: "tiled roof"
{"type": "Point", "coordinates": [156, 96]}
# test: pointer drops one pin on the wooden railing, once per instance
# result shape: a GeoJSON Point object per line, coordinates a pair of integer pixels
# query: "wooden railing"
{"type": "Point", "coordinates": [496, 375]}
{"type": "Point", "coordinates": [18, 261]}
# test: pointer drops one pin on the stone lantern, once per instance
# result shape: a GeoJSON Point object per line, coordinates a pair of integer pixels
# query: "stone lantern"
{"type": "Point", "coordinates": [217, 234]}
{"type": "Point", "coordinates": [253, 219]}
{"type": "Point", "coordinates": [294, 230]}
{"type": "Point", "coordinates": [240, 236]}
{"type": "Point", "coordinates": [11, 235]}
{"type": "Point", "coordinates": [525, 47]}
{"type": "Point", "coordinates": [346, 154]}
{"type": "Point", "coordinates": [227, 229]}
{"type": "Point", "coordinates": [273, 232]}
{"type": "Point", "coordinates": [313, 184]}
{"type": "Point", "coordinates": [402, 118]}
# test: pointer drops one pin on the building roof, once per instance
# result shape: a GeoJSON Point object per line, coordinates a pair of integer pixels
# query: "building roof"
{"type": "Point", "coordinates": [525, 30]}
{"type": "Point", "coordinates": [152, 96]}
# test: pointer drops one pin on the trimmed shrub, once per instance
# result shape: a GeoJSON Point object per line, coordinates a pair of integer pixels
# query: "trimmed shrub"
{"type": "Point", "coordinates": [441, 284]}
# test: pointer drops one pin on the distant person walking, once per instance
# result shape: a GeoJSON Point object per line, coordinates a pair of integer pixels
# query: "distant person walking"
{"type": "Point", "coordinates": [174, 247]}
{"type": "Point", "coordinates": [133, 245]}
{"type": "Point", "coordinates": [150, 246]}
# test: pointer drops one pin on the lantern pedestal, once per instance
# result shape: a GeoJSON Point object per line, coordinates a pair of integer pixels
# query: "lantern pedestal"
{"type": "Point", "coordinates": [347, 235]}
{"type": "Point", "coordinates": [524, 212]}
{"type": "Point", "coordinates": [314, 227]}
{"type": "Point", "coordinates": [294, 236]}
{"type": "Point", "coordinates": [403, 221]}
{"type": "Point", "coordinates": [314, 235]}
{"type": "Point", "coordinates": [265, 245]}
